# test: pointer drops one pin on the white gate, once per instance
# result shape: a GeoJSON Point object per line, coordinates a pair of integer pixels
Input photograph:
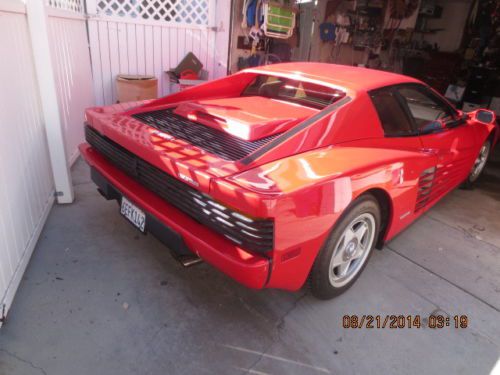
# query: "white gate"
{"type": "Point", "coordinates": [152, 36]}
{"type": "Point", "coordinates": [26, 184]}
{"type": "Point", "coordinates": [42, 98]}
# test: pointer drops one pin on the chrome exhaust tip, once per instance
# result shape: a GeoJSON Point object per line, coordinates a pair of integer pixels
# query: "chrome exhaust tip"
{"type": "Point", "coordinates": [189, 260]}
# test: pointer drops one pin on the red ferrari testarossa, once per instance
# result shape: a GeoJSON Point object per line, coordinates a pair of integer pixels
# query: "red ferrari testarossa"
{"type": "Point", "coordinates": [287, 172]}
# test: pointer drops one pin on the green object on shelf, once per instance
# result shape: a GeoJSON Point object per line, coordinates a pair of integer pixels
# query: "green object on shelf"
{"type": "Point", "coordinates": [279, 21]}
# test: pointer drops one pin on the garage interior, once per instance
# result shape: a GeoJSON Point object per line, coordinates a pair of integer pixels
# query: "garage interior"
{"type": "Point", "coordinates": [452, 45]}
{"type": "Point", "coordinates": [99, 297]}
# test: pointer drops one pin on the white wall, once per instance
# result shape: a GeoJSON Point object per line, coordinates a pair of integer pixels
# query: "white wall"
{"type": "Point", "coordinates": [453, 21]}
{"type": "Point", "coordinates": [26, 187]}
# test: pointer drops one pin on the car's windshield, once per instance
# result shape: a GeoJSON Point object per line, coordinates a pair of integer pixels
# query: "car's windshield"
{"type": "Point", "coordinates": [305, 93]}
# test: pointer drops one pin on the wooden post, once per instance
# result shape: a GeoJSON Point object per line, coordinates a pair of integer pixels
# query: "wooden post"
{"type": "Point", "coordinates": [37, 22]}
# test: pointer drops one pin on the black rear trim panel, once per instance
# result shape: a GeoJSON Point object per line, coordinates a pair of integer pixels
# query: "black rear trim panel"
{"type": "Point", "coordinates": [214, 141]}
{"type": "Point", "coordinates": [162, 232]}
{"type": "Point", "coordinates": [249, 233]}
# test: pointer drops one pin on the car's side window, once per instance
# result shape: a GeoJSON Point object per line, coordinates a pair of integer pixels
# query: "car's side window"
{"type": "Point", "coordinates": [391, 113]}
{"type": "Point", "coordinates": [424, 106]}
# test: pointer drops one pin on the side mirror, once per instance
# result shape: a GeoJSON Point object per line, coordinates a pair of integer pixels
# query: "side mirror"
{"type": "Point", "coordinates": [482, 115]}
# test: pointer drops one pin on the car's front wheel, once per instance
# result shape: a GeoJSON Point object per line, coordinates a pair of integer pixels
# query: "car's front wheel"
{"type": "Point", "coordinates": [347, 250]}
{"type": "Point", "coordinates": [479, 164]}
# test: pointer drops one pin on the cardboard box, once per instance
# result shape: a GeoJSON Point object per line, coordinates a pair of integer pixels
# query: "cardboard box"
{"type": "Point", "coordinates": [181, 84]}
{"type": "Point", "coordinates": [189, 62]}
{"type": "Point", "coordinates": [135, 87]}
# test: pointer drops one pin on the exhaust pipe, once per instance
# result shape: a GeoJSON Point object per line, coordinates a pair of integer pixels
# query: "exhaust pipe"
{"type": "Point", "coordinates": [189, 260]}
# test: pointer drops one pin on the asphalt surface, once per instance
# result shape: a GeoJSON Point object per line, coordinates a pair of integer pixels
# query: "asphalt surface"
{"type": "Point", "coordinates": [100, 298]}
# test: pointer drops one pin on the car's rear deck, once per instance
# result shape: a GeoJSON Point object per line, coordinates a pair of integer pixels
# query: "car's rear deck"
{"type": "Point", "coordinates": [98, 297]}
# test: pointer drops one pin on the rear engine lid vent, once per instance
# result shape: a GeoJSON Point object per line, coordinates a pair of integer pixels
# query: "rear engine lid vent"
{"type": "Point", "coordinates": [211, 140]}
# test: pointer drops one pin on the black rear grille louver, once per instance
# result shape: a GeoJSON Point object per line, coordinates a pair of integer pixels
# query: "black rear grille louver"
{"type": "Point", "coordinates": [209, 139]}
{"type": "Point", "coordinates": [252, 234]}
{"type": "Point", "coordinates": [425, 184]}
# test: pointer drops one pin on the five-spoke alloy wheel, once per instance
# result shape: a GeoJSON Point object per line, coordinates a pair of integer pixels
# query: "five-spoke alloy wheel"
{"type": "Point", "coordinates": [479, 164]}
{"type": "Point", "coordinates": [346, 252]}
{"type": "Point", "coordinates": [352, 249]}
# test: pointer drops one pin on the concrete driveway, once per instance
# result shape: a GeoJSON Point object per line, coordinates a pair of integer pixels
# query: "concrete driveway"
{"type": "Point", "coordinates": [98, 298]}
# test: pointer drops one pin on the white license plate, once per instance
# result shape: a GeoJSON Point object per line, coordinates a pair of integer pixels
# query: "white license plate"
{"type": "Point", "coordinates": [134, 214]}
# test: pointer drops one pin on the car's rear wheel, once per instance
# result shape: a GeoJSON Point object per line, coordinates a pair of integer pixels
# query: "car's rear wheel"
{"type": "Point", "coordinates": [347, 250]}
{"type": "Point", "coordinates": [479, 164]}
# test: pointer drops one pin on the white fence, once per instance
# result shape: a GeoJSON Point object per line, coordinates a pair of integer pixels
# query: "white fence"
{"type": "Point", "coordinates": [27, 175]}
{"type": "Point", "coordinates": [26, 185]}
{"type": "Point", "coordinates": [152, 36]}
{"type": "Point", "coordinates": [72, 70]}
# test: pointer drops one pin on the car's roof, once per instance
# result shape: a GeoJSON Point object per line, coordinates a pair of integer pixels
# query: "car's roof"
{"type": "Point", "coordinates": [350, 77]}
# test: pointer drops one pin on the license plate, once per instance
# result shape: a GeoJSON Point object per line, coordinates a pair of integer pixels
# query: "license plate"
{"type": "Point", "coordinates": [133, 214]}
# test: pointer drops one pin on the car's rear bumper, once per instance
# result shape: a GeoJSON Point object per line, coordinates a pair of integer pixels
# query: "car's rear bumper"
{"type": "Point", "coordinates": [171, 225]}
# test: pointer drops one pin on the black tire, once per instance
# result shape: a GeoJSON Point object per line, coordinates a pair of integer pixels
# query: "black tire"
{"type": "Point", "coordinates": [473, 177]}
{"type": "Point", "coordinates": [319, 279]}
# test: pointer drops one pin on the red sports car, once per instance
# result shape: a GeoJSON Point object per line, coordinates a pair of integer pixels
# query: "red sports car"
{"type": "Point", "coordinates": [286, 173]}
